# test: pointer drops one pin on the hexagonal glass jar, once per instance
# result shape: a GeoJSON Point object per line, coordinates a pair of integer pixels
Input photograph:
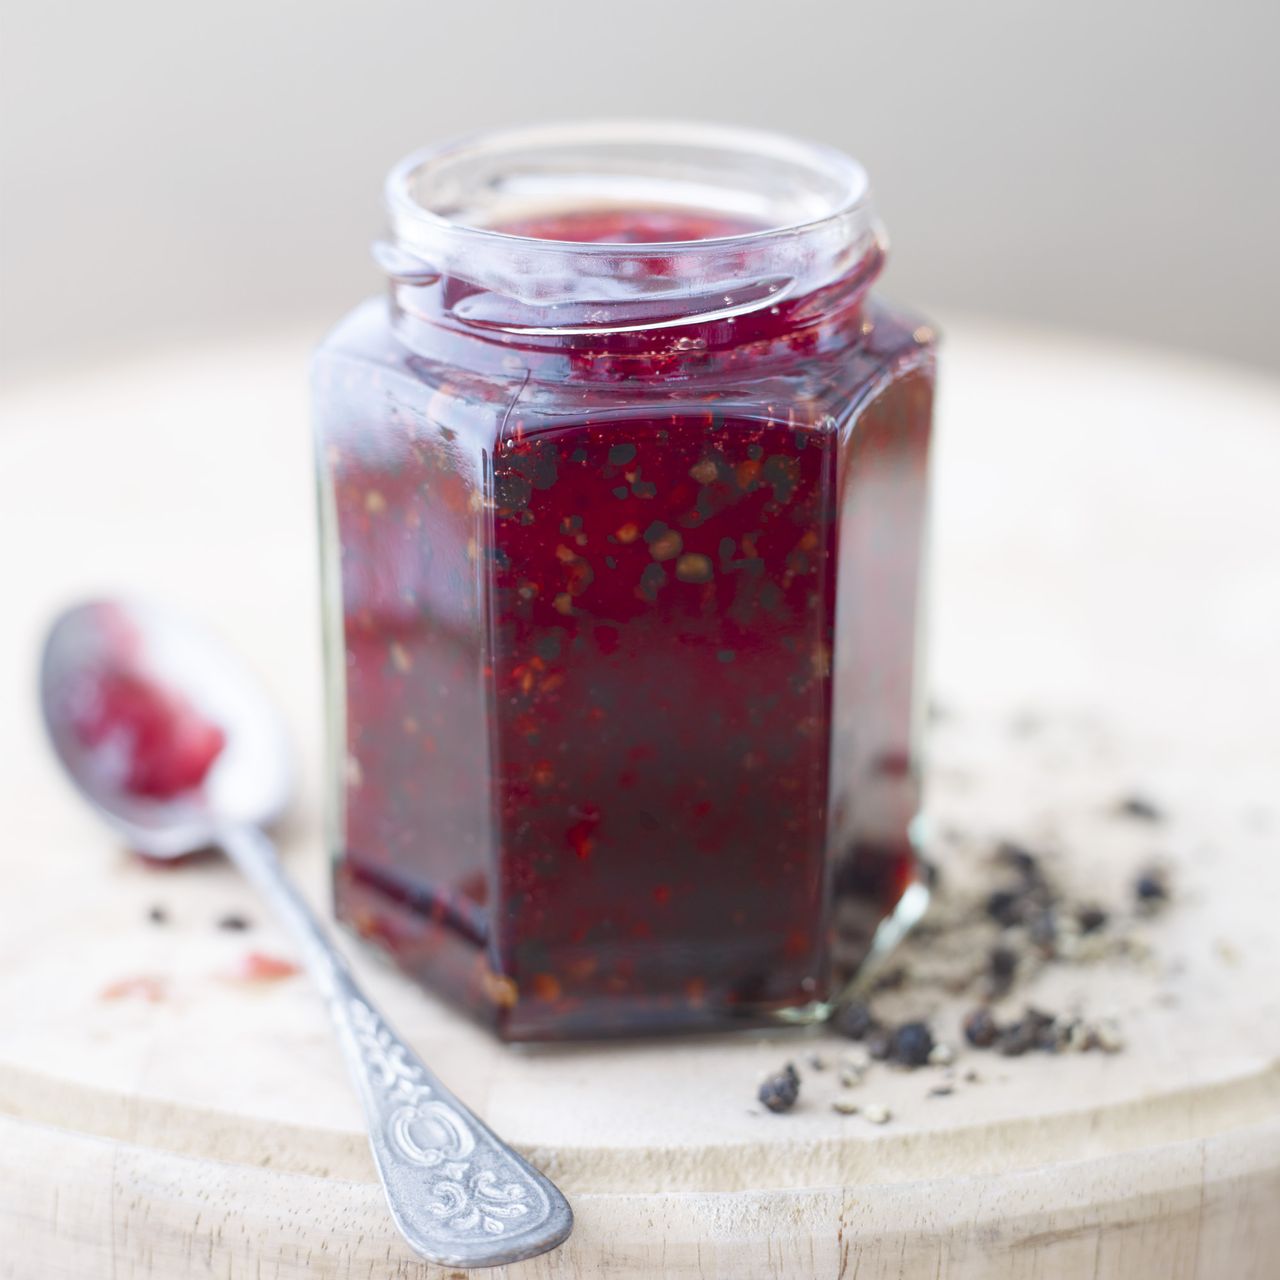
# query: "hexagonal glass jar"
{"type": "Point", "coordinates": [623, 497]}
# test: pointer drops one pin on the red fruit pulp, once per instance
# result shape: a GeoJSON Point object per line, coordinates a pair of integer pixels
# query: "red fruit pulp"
{"type": "Point", "coordinates": [629, 636]}
{"type": "Point", "coordinates": [152, 740]}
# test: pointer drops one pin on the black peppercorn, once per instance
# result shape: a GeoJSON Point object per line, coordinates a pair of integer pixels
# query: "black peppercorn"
{"type": "Point", "coordinates": [1004, 906]}
{"type": "Point", "coordinates": [1016, 1039]}
{"type": "Point", "coordinates": [1091, 919]}
{"type": "Point", "coordinates": [980, 1028]}
{"type": "Point", "coordinates": [1034, 1030]}
{"type": "Point", "coordinates": [853, 1020]}
{"type": "Point", "coordinates": [1003, 963]}
{"type": "Point", "coordinates": [1141, 808]}
{"type": "Point", "coordinates": [780, 1091]}
{"type": "Point", "coordinates": [1021, 859]}
{"type": "Point", "coordinates": [911, 1044]}
{"type": "Point", "coordinates": [1150, 888]}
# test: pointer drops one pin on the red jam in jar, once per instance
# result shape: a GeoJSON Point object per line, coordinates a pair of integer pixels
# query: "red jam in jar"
{"type": "Point", "coordinates": [623, 498]}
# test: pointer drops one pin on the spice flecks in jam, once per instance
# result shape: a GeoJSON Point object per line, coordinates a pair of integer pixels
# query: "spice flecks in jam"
{"type": "Point", "coordinates": [647, 601]}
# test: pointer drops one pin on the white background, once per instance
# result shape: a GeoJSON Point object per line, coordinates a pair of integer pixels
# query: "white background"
{"type": "Point", "coordinates": [173, 169]}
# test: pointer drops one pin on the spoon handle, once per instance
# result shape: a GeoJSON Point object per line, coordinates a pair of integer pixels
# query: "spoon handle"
{"type": "Point", "coordinates": [458, 1193]}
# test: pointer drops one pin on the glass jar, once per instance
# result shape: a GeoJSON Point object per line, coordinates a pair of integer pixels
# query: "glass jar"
{"type": "Point", "coordinates": [623, 498]}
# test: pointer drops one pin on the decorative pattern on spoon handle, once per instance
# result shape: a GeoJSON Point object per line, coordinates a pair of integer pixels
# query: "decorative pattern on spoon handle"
{"type": "Point", "coordinates": [459, 1195]}
{"type": "Point", "coordinates": [474, 1189]}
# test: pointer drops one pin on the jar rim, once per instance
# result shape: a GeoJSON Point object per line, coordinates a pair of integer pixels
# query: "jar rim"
{"type": "Point", "coordinates": [808, 208]}
{"type": "Point", "coordinates": [846, 198]}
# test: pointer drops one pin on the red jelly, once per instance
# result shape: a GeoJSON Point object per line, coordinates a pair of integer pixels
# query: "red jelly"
{"type": "Point", "coordinates": [623, 494]}
{"type": "Point", "coordinates": [143, 736]}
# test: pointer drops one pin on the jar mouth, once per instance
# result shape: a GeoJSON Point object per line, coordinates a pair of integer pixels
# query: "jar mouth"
{"type": "Point", "coordinates": [801, 215]}
{"type": "Point", "coordinates": [475, 186]}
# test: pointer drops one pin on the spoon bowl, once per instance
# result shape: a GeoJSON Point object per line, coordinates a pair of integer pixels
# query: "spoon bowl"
{"type": "Point", "coordinates": [251, 779]}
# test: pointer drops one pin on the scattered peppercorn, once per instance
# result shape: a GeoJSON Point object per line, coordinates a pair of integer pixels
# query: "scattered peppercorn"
{"type": "Point", "coordinates": [1151, 888]}
{"type": "Point", "coordinates": [1054, 1036]}
{"type": "Point", "coordinates": [980, 1028]}
{"type": "Point", "coordinates": [853, 1020]}
{"type": "Point", "coordinates": [911, 1044]}
{"type": "Point", "coordinates": [1005, 907]}
{"type": "Point", "coordinates": [158, 915]}
{"type": "Point", "coordinates": [1091, 919]}
{"type": "Point", "coordinates": [1020, 858]}
{"type": "Point", "coordinates": [1002, 964]}
{"type": "Point", "coordinates": [233, 922]}
{"type": "Point", "coordinates": [780, 1091]}
{"type": "Point", "coordinates": [1016, 1039]}
{"type": "Point", "coordinates": [1140, 807]}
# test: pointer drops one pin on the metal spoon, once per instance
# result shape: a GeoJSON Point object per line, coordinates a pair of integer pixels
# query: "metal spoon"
{"type": "Point", "coordinates": [458, 1193]}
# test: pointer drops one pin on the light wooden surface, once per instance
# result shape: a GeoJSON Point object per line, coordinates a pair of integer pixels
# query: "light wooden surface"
{"type": "Point", "coordinates": [1107, 534]}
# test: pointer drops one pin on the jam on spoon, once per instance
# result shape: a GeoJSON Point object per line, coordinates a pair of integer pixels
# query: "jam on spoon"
{"type": "Point", "coordinates": [157, 740]}
{"type": "Point", "coordinates": [138, 732]}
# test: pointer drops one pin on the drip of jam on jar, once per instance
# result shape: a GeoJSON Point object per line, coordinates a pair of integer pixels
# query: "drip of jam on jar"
{"type": "Point", "coordinates": [627, 648]}
{"type": "Point", "coordinates": [144, 737]}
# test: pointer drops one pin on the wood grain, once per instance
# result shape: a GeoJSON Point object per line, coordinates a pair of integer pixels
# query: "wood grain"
{"type": "Point", "coordinates": [1105, 556]}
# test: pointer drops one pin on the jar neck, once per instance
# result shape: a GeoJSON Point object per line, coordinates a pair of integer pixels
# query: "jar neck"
{"type": "Point", "coordinates": [766, 334]}
{"type": "Point", "coordinates": [595, 250]}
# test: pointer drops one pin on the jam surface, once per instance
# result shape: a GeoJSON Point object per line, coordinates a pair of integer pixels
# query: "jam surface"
{"type": "Point", "coordinates": [144, 737]}
{"type": "Point", "coordinates": [622, 648]}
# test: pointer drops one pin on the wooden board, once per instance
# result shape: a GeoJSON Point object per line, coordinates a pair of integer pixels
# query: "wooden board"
{"type": "Point", "coordinates": [1106, 540]}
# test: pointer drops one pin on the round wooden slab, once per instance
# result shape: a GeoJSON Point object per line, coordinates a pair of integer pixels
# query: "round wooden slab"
{"type": "Point", "coordinates": [1106, 613]}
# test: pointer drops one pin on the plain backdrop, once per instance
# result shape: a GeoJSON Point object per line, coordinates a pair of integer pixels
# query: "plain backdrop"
{"type": "Point", "coordinates": [174, 170]}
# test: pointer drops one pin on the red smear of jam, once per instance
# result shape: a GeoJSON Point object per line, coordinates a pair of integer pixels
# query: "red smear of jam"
{"type": "Point", "coordinates": [146, 987]}
{"type": "Point", "coordinates": [628, 632]}
{"type": "Point", "coordinates": [258, 966]}
{"type": "Point", "coordinates": [153, 741]}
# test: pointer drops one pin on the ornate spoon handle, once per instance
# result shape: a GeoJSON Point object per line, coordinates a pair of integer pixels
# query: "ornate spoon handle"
{"type": "Point", "coordinates": [458, 1193]}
